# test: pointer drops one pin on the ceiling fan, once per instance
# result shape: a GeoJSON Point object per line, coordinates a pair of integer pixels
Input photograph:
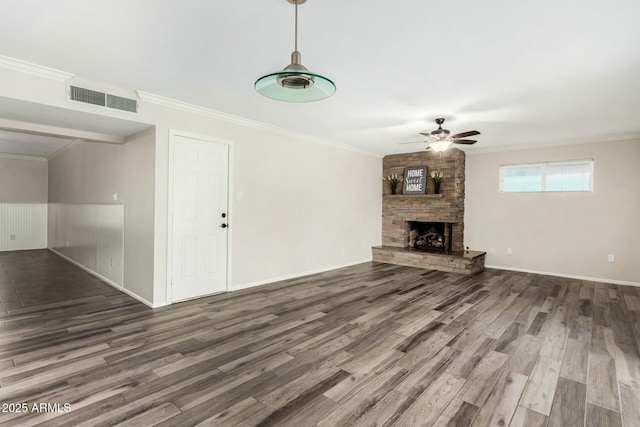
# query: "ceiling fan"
{"type": "Point", "coordinates": [440, 139]}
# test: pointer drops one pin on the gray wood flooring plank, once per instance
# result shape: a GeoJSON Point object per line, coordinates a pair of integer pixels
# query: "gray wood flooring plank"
{"type": "Point", "coordinates": [524, 358]}
{"type": "Point", "coordinates": [459, 413]}
{"type": "Point", "coordinates": [233, 414]}
{"type": "Point", "coordinates": [568, 404]}
{"type": "Point", "coordinates": [524, 417]}
{"type": "Point", "coordinates": [358, 401]}
{"type": "Point", "coordinates": [603, 382]}
{"type": "Point", "coordinates": [429, 405]}
{"type": "Point", "coordinates": [479, 384]}
{"type": "Point", "coordinates": [420, 378]}
{"type": "Point", "coordinates": [502, 402]}
{"type": "Point", "coordinates": [630, 408]}
{"type": "Point", "coordinates": [539, 392]}
{"type": "Point", "coordinates": [576, 361]}
{"type": "Point", "coordinates": [602, 417]}
{"type": "Point", "coordinates": [465, 363]}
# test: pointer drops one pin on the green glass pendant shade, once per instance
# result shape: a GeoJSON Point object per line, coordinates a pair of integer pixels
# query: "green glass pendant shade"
{"type": "Point", "coordinates": [295, 83]}
{"type": "Point", "coordinates": [284, 86]}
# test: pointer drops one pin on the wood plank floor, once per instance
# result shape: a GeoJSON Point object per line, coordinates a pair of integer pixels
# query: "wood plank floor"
{"type": "Point", "coordinates": [373, 344]}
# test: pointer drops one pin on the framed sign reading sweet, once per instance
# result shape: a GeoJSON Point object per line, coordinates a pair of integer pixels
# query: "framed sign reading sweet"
{"type": "Point", "coordinates": [415, 180]}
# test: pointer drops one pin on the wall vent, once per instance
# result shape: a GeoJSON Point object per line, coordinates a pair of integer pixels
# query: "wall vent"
{"type": "Point", "coordinates": [89, 96]}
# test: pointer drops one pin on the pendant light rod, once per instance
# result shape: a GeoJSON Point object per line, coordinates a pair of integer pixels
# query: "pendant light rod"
{"type": "Point", "coordinates": [296, 36]}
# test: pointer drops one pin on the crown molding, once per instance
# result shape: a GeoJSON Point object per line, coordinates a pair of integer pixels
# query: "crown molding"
{"type": "Point", "coordinates": [552, 144]}
{"type": "Point", "coordinates": [230, 118]}
{"type": "Point", "coordinates": [34, 69]}
{"type": "Point", "coordinates": [22, 157]}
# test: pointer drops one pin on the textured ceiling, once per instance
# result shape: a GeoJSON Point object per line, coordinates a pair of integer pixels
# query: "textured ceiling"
{"type": "Point", "coordinates": [519, 72]}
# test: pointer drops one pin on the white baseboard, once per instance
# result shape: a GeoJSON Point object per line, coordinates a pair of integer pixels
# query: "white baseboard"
{"type": "Point", "coordinates": [105, 280]}
{"type": "Point", "coordinates": [568, 276]}
{"type": "Point", "coordinates": [295, 276]}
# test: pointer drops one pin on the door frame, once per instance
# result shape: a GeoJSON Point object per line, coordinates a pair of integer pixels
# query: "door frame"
{"type": "Point", "coordinates": [205, 138]}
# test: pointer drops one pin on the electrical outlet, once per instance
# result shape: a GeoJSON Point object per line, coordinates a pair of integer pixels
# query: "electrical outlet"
{"type": "Point", "coordinates": [13, 237]}
{"type": "Point", "coordinates": [111, 261]}
{"type": "Point", "coordinates": [114, 196]}
{"type": "Point", "coordinates": [611, 258]}
{"type": "Point", "coordinates": [509, 251]}
{"type": "Point", "coordinates": [66, 243]}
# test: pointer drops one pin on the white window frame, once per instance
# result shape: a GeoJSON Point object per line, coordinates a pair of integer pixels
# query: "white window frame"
{"type": "Point", "coordinates": [543, 166]}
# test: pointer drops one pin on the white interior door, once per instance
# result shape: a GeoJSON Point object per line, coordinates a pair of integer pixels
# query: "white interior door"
{"type": "Point", "coordinates": [200, 202]}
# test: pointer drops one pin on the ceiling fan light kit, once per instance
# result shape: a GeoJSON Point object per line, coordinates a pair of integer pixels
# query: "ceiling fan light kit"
{"type": "Point", "coordinates": [440, 145]}
{"type": "Point", "coordinates": [441, 139]}
{"type": "Point", "coordinates": [295, 83]}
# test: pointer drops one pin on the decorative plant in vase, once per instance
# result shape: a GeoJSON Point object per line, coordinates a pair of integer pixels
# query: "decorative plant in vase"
{"type": "Point", "coordinates": [393, 180]}
{"type": "Point", "coordinates": [436, 177]}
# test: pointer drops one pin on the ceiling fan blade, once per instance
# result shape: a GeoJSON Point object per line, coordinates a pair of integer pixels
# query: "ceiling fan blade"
{"type": "Point", "coordinates": [428, 135]}
{"type": "Point", "coordinates": [465, 134]}
{"type": "Point", "coordinates": [413, 142]}
{"type": "Point", "coordinates": [464, 141]}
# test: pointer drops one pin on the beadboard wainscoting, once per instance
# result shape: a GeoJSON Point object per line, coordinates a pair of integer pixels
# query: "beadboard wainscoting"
{"type": "Point", "coordinates": [23, 226]}
{"type": "Point", "coordinates": [92, 235]}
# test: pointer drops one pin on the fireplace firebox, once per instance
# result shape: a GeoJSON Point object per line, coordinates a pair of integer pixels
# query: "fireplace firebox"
{"type": "Point", "coordinates": [430, 236]}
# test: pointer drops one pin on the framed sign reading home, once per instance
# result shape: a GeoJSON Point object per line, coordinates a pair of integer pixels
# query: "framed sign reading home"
{"type": "Point", "coordinates": [415, 180]}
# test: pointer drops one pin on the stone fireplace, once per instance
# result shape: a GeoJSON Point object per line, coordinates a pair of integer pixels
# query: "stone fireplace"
{"type": "Point", "coordinates": [446, 207]}
{"type": "Point", "coordinates": [427, 230]}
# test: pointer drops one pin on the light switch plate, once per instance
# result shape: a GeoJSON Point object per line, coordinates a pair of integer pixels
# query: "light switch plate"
{"type": "Point", "coordinates": [239, 195]}
{"type": "Point", "coordinates": [611, 258]}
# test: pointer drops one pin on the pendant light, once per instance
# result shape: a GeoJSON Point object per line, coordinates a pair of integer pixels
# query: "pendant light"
{"type": "Point", "coordinates": [295, 83]}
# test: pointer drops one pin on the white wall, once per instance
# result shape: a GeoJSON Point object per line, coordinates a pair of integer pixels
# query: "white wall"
{"type": "Point", "coordinates": [559, 233]}
{"type": "Point", "coordinates": [113, 238]}
{"type": "Point", "coordinates": [307, 206]}
{"type": "Point", "coordinates": [138, 177]}
{"type": "Point", "coordinates": [22, 179]}
{"type": "Point", "coordinates": [86, 224]}
{"type": "Point", "coordinates": [86, 172]}
{"type": "Point", "coordinates": [91, 235]}
{"type": "Point", "coordinates": [23, 203]}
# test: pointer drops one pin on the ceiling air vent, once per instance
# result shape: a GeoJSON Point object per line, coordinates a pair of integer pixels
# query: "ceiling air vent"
{"type": "Point", "coordinates": [120, 103]}
{"type": "Point", "coordinates": [103, 99]}
{"type": "Point", "coordinates": [89, 96]}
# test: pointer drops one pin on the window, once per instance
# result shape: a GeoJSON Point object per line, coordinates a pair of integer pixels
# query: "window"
{"type": "Point", "coordinates": [570, 175]}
